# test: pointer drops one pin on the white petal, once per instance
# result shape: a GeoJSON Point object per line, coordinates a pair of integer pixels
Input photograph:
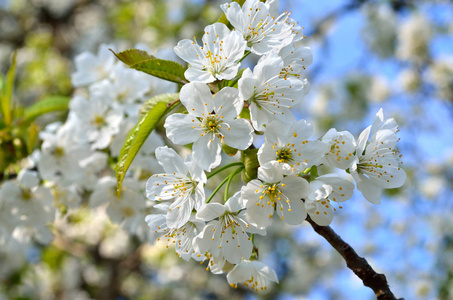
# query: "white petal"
{"type": "Point", "coordinates": [203, 241]}
{"type": "Point", "coordinates": [234, 204]}
{"type": "Point", "coordinates": [234, 14]}
{"type": "Point", "coordinates": [294, 187]}
{"type": "Point", "coordinates": [199, 196]}
{"type": "Point", "coordinates": [198, 75]}
{"type": "Point", "coordinates": [157, 222]}
{"type": "Point", "coordinates": [238, 134]}
{"type": "Point", "coordinates": [227, 103]}
{"type": "Point", "coordinates": [270, 172]}
{"type": "Point", "coordinates": [190, 52]}
{"type": "Point", "coordinates": [260, 116]}
{"type": "Point", "coordinates": [180, 128]}
{"type": "Point", "coordinates": [179, 212]}
{"type": "Point", "coordinates": [210, 211]}
{"type": "Point", "coordinates": [247, 85]}
{"type": "Point", "coordinates": [259, 212]}
{"type": "Point", "coordinates": [197, 98]}
{"type": "Point", "coordinates": [216, 31]}
{"type": "Point", "coordinates": [361, 141]}
{"type": "Point", "coordinates": [369, 190]}
{"type": "Point", "coordinates": [170, 160]}
{"type": "Point", "coordinates": [292, 212]}
{"type": "Point", "coordinates": [265, 271]}
{"type": "Point", "coordinates": [206, 152]}
{"type": "Point", "coordinates": [319, 213]}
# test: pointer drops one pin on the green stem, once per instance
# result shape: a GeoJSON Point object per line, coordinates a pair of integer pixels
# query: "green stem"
{"type": "Point", "coordinates": [245, 55]}
{"type": "Point", "coordinates": [217, 189]}
{"type": "Point", "coordinates": [230, 178]}
{"type": "Point", "coordinates": [224, 168]}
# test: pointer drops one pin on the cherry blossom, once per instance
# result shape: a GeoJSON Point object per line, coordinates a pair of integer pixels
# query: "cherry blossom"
{"type": "Point", "coordinates": [217, 59]}
{"type": "Point", "coordinates": [183, 184]}
{"type": "Point", "coordinates": [262, 30]}
{"type": "Point", "coordinates": [290, 147]}
{"type": "Point", "coordinates": [253, 274]}
{"type": "Point", "coordinates": [326, 192]}
{"type": "Point", "coordinates": [274, 192]}
{"type": "Point", "coordinates": [209, 121]}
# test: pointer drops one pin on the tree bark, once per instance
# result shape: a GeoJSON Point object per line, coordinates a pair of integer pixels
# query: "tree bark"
{"type": "Point", "coordinates": [359, 265]}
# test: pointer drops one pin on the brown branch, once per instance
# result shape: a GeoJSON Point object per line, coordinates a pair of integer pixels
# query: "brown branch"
{"type": "Point", "coordinates": [359, 265]}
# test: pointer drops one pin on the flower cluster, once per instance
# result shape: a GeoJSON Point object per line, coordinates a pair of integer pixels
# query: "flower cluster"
{"type": "Point", "coordinates": [71, 169]}
{"type": "Point", "coordinates": [224, 108]}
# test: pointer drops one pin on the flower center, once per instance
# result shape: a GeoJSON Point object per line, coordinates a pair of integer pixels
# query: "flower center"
{"type": "Point", "coordinates": [284, 155]}
{"type": "Point", "coordinates": [212, 124]}
{"type": "Point", "coordinates": [26, 194]}
{"type": "Point", "coordinates": [272, 191]}
{"type": "Point", "coordinates": [98, 121]}
{"type": "Point", "coordinates": [58, 152]}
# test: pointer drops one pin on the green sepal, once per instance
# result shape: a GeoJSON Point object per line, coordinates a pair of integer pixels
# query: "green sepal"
{"type": "Point", "coordinates": [313, 173]}
{"type": "Point", "coordinates": [229, 150]}
{"type": "Point", "coordinates": [251, 164]}
{"type": "Point", "coordinates": [245, 113]}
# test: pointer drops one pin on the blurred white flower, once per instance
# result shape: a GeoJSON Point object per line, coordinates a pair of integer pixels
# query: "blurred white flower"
{"type": "Point", "coordinates": [414, 35]}
{"type": "Point", "coordinates": [91, 68]}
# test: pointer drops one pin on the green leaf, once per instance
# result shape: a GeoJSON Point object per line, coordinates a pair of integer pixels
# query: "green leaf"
{"type": "Point", "coordinates": [48, 104]}
{"type": "Point", "coordinates": [164, 69]}
{"type": "Point", "coordinates": [32, 137]}
{"type": "Point", "coordinates": [149, 104]}
{"type": "Point", "coordinates": [142, 61]}
{"type": "Point", "coordinates": [7, 91]}
{"type": "Point", "coordinates": [133, 56]}
{"type": "Point", "coordinates": [137, 137]}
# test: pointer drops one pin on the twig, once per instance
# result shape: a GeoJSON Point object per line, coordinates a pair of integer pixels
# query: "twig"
{"type": "Point", "coordinates": [359, 265]}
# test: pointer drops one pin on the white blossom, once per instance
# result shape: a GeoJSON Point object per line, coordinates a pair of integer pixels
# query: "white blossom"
{"type": "Point", "coordinates": [225, 234]}
{"type": "Point", "coordinates": [324, 192]}
{"type": "Point", "coordinates": [217, 59]}
{"type": "Point", "coordinates": [183, 184]}
{"type": "Point", "coordinates": [274, 192]}
{"type": "Point", "coordinates": [60, 155]}
{"type": "Point", "coordinates": [29, 208]}
{"type": "Point", "coordinates": [209, 121]}
{"type": "Point", "coordinates": [376, 166]}
{"type": "Point", "coordinates": [269, 95]}
{"type": "Point", "coordinates": [253, 274]}
{"type": "Point", "coordinates": [91, 68]}
{"type": "Point", "coordinates": [290, 147]}
{"type": "Point", "coordinates": [130, 205]}
{"type": "Point", "coordinates": [99, 121]}
{"type": "Point", "coordinates": [341, 148]}
{"type": "Point", "coordinates": [181, 237]}
{"type": "Point", "coordinates": [262, 29]}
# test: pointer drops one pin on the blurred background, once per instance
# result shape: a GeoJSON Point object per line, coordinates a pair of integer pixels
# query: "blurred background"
{"type": "Point", "coordinates": [394, 54]}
